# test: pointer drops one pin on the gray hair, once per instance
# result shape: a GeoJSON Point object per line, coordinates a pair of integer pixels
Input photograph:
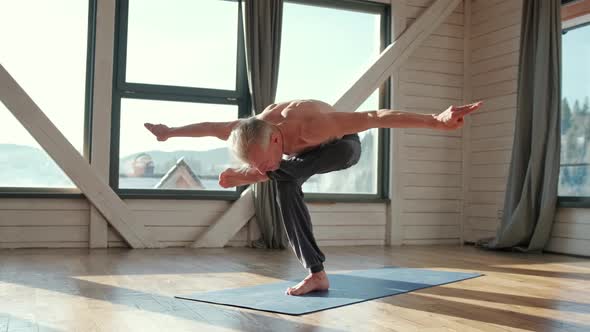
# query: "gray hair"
{"type": "Point", "coordinates": [247, 132]}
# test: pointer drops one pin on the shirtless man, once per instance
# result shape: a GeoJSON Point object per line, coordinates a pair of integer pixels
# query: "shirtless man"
{"type": "Point", "coordinates": [291, 141]}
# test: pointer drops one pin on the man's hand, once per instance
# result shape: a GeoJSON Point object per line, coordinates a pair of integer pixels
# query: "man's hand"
{"type": "Point", "coordinates": [227, 178]}
{"type": "Point", "coordinates": [162, 132]}
{"type": "Point", "coordinates": [452, 117]}
{"type": "Point", "coordinates": [238, 177]}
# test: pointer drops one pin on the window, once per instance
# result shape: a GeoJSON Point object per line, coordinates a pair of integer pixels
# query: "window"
{"type": "Point", "coordinates": [574, 179]}
{"type": "Point", "coordinates": [324, 49]}
{"type": "Point", "coordinates": [44, 47]}
{"type": "Point", "coordinates": [193, 163]}
{"type": "Point", "coordinates": [179, 62]}
{"type": "Point", "coordinates": [183, 43]}
{"type": "Point", "coordinates": [183, 61]}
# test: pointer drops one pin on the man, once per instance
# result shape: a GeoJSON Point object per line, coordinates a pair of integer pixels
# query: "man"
{"type": "Point", "coordinates": [291, 141]}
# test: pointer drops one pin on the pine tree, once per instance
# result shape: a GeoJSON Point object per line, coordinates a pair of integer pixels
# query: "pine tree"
{"type": "Point", "coordinates": [585, 122]}
{"type": "Point", "coordinates": [569, 135]}
{"type": "Point", "coordinates": [566, 116]}
{"type": "Point", "coordinates": [576, 109]}
{"type": "Point", "coordinates": [585, 158]}
{"type": "Point", "coordinates": [565, 176]}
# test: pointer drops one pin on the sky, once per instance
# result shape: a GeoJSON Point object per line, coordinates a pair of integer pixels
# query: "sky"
{"type": "Point", "coordinates": [45, 50]}
{"type": "Point", "coordinates": [50, 69]}
{"type": "Point", "coordinates": [575, 64]}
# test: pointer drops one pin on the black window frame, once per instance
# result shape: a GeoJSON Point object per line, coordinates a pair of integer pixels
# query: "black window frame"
{"type": "Point", "coordinates": [572, 201]}
{"type": "Point", "coordinates": [121, 89]}
{"type": "Point", "coordinates": [50, 192]}
{"type": "Point", "coordinates": [240, 97]}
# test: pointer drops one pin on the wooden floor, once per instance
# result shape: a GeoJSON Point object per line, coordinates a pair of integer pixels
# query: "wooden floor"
{"type": "Point", "coordinates": [123, 290]}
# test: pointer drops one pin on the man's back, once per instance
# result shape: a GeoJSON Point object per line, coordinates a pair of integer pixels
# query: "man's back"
{"type": "Point", "coordinates": [302, 123]}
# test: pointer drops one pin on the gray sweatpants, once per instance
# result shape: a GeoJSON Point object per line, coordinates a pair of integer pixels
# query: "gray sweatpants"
{"type": "Point", "coordinates": [292, 173]}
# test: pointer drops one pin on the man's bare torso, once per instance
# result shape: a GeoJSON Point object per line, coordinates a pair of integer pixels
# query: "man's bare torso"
{"type": "Point", "coordinates": [301, 122]}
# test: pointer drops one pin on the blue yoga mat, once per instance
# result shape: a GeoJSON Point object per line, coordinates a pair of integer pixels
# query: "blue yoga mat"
{"type": "Point", "coordinates": [347, 288]}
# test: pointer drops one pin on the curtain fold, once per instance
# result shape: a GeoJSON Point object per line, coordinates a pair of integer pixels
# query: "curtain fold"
{"type": "Point", "coordinates": [531, 192]}
{"type": "Point", "coordinates": [262, 29]}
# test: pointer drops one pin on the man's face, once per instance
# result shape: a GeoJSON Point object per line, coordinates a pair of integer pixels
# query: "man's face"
{"type": "Point", "coordinates": [269, 159]}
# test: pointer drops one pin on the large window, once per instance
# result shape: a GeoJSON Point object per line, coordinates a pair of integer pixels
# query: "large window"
{"type": "Point", "coordinates": [43, 45]}
{"type": "Point", "coordinates": [179, 62]}
{"type": "Point", "coordinates": [324, 49]}
{"type": "Point", "coordinates": [574, 179]}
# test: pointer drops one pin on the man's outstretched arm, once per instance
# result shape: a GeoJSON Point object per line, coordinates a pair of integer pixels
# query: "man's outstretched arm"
{"type": "Point", "coordinates": [220, 130]}
{"type": "Point", "coordinates": [344, 123]}
{"type": "Point", "coordinates": [239, 177]}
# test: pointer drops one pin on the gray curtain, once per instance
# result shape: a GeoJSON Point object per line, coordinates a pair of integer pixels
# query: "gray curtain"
{"type": "Point", "coordinates": [531, 193]}
{"type": "Point", "coordinates": [262, 29]}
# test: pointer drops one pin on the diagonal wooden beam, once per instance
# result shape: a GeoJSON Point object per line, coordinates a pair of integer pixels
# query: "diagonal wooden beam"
{"type": "Point", "coordinates": [389, 61]}
{"type": "Point", "coordinates": [232, 220]}
{"type": "Point", "coordinates": [72, 163]}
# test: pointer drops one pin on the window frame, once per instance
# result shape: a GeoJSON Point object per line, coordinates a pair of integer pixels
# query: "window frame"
{"type": "Point", "coordinates": [242, 98]}
{"type": "Point", "coordinates": [49, 192]}
{"type": "Point", "coordinates": [239, 97]}
{"type": "Point", "coordinates": [573, 201]}
{"type": "Point", "coordinates": [383, 145]}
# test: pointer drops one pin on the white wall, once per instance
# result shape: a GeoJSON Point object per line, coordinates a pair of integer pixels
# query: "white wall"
{"type": "Point", "coordinates": [55, 223]}
{"type": "Point", "coordinates": [179, 223]}
{"type": "Point", "coordinates": [427, 164]}
{"type": "Point", "coordinates": [32, 223]}
{"type": "Point", "coordinates": [494, 42]}
{"type": "Point", "coordinates": [571, 232]}
{"type": "Point", "coordinates": [26, 223]}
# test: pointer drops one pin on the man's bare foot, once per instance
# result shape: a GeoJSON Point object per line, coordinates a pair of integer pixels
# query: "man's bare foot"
{"type": "Point", "coordinates": [313, 282]}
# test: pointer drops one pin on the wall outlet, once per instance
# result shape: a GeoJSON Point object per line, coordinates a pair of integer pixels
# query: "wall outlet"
{"type": "Point", "coordinates": [499, 213]}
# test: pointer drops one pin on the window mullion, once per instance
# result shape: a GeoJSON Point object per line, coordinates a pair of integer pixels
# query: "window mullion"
{"type": "Point", "coordinates": [183, 93]}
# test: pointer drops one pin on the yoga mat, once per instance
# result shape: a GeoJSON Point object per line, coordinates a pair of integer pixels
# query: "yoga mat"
{"type": "Point", "coordinates": [345, 289]}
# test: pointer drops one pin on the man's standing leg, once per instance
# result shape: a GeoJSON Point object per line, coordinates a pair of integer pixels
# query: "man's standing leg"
{"type": "Point", "coordinates": [298, 225]}
{"type": "Point", "coordinates": [289, 178]}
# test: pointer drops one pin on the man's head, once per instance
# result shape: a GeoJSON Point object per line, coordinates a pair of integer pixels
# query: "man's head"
{"type": "Point", "coordinates": [257, 143]}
